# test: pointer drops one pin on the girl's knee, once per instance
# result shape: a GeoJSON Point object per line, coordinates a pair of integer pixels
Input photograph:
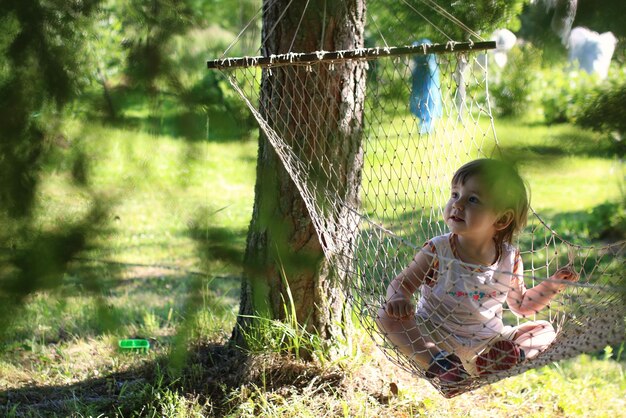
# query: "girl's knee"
{"type": "Point", "coordinates": [389, 324]}
{"type": "Point", "coordinates": [535, 337]}
{"type": "Point", "coordinates": [543, 328]}
{"type": "Point", "coordinates": [384, 321]}
{"type": "Point", "coordinates": [542, 323]}
{"type": "Point", "coordinates": [536, 327]}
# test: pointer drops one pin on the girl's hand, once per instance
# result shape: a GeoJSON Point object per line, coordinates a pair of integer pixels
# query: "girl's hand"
{"type": "Point", "coordinates": [566, 274]}
{"type": "Point", "coordinates": [399, 307]}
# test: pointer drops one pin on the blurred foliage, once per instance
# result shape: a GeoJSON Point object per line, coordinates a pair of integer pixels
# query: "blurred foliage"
{"type": "Point", "coordinates": [400, 23]}
{"type": "Point", "coordinates": [158, 50]}
{"type": "Point", "coordinates": [147, 27]}
{"type": "Point", "coordinates": [514, 84]}
{"type": "Point", "coordinates": [565, 94]}
{"type": "Point", "coordinates": [604, 16]}
{"type": "Point", "coordinates": [556, 91]}
{"type": "Point", "coordinates": [597, 15]}
{"type": "Point", "coordinates": [608, 221]}
{"type": "Point", "coordinates": [561, 91]}
{"type": "Point", "coordinates": [535, 28]}
{"type": "Point", "coordinates": [193, 86]}
{"type": "Point", "coordinates": [530, 88]}
{"type": "Point", "coordinates": [606, 112]}
{"type": "Point", "coordinates": [42, 46]}
{"type": "Point", "coordinates": [605, 222]}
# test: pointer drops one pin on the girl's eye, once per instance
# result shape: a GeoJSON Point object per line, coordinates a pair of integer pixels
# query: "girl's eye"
{"type": "Point", "coordinates": [454, 195]}
{"type": "Point", "coordinates": [473, 199]}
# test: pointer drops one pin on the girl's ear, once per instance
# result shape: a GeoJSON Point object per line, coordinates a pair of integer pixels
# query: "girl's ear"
{"type": "Point", "coordinates": [504, 220]}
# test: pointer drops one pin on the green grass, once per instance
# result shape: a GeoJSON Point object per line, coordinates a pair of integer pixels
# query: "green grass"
{"type": "Point", "coordinates": [174, 209]}
{"type": "Point", "coordinates": [568, 169]}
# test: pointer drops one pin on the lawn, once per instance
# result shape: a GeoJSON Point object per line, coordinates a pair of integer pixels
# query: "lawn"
{"type": "Point", "coordinates": [172, 205]}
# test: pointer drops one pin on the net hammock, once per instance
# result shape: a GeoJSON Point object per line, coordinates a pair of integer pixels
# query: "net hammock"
{"type": "Point", "coordinates": [371, 138]}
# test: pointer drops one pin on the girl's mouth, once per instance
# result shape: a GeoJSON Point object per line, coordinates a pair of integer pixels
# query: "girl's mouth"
{"type": "Point", "coordinates": [456, 219]}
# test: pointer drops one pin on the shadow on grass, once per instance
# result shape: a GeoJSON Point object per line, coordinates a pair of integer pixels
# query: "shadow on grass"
{"type": "Point", "coordinates": [97, 394]}
{"type": "Point", "coordinates": [104, 296]}
{"type": "Point", "coordinates": [218, 126]}
{"type": "Point", "coordinates": [564, 145]}
{"type": "Point", "coordinates": [203, 115]}
{"type": "Point", "coordinates": [130, 391]}
{"type": "Point", "coordinates": [211, 375]}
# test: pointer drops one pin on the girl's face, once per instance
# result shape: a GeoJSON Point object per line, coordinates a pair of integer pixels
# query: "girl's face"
{"type": "Point", "coordinates": [470, 212]}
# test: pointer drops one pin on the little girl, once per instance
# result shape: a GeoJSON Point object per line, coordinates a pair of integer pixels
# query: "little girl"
{"type": "Point", "coordinates": [457, 329]}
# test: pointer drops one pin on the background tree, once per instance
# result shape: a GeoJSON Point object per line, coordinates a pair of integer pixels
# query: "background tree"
{"type": "Point", "coordinates": [284, 259]}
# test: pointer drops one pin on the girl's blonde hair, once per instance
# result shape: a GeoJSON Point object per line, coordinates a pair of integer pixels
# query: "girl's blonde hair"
{"type": "Point", "coordinates": [507, 189]}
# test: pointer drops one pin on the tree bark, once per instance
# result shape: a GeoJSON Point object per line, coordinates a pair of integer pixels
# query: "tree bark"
{"type": "Point", "coordinates": [318, 111]}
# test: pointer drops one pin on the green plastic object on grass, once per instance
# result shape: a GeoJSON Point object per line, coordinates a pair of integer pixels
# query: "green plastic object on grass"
{"type": "Point", "coordinates": [134, 345]}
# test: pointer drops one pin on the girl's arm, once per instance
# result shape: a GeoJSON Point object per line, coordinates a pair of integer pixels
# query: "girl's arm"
{"type": "Point", "coordinates": [401, 289]}
{"type": "Point", "coordinates": [526, 302]}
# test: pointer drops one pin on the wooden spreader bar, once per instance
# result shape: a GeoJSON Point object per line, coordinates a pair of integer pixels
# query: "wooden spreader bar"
{"type": "Point", "coordinates": [308, 58]}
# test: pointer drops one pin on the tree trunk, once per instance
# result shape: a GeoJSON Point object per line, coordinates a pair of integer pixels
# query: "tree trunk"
{"type": "Point", "coordinates": [111, 113]}
{"type": "Point", "coordinates": [319, 109]}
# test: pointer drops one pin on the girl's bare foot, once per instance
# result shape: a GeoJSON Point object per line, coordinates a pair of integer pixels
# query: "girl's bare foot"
{"type": "Point", "coordinates": [502, 355]}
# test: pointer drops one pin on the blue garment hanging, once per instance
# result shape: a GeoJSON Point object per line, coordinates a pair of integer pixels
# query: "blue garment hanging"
{"type": "Point", "coordinates": [425, 101]}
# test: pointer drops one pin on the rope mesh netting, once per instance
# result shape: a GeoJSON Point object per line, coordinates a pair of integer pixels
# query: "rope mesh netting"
{"type": "Point", "coordinates": [394, 124]}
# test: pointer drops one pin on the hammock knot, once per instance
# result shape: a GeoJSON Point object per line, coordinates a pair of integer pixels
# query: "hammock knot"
{"type": "Point", "coordinates": [450, 45]}
{"type": "Point", "coordinates": [320, 55]}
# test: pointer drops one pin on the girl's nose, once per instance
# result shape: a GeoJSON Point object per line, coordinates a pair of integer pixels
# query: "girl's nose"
{"type": "Point", "coordinates": [458, 204]}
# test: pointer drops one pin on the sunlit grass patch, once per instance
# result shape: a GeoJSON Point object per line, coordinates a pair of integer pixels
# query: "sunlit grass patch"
{"type": "Point", "coordinates": [567, 168]}
{"type": "Point", "coordinates": [584, 386]}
